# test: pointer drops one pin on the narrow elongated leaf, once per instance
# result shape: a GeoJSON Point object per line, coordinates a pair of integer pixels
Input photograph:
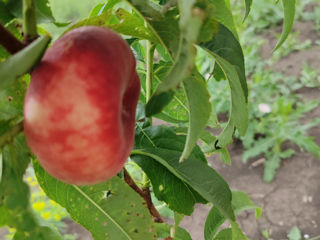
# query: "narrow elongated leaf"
{"type": "Point", "coordinates": [23, 61]}
{"type": "Point", "coordinates": [248, 8]}
{"type": "Point", "coordinates": [199, 110]}
{"type": "Point", "coordinates": [289, 8]}
{"type": "Point", "coordinates": [108, 210]}
{"type": "Point", "coordinates": [190, 24]}
{"type": "Point", "coordinates": [225, 45]}
{"type": "Point", "coordinates": [239, 111]}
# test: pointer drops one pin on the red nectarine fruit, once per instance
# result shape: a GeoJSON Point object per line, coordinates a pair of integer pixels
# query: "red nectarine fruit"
{"type": "Point", "coordinates": [79, 112]}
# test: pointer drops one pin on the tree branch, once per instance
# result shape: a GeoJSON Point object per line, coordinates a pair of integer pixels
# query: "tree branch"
{"type": "Point", "coordinates": [10, 42]}
{"type": "Point", "coordinates": [145, 194]}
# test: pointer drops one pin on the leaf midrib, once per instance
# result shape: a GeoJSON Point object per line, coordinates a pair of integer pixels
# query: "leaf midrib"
{"type": "Point", "coordinates": [102, 211]}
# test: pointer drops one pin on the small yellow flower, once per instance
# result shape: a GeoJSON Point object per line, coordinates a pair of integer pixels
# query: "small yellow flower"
{"type": "Point", "coordinates": [57, 217]}
{"type": "Point", "coordinates": [33, 183]}
{"type": "Point", "coordinates": [29, 179]}
{"type": "Point", "coordinates": [53, 203]}
{"type": "Point", "coordinates": [46, 215]}
{"type": "Point", "coordinates": [38, 206]}
{"type": "Point", "coordinates": [12, 230]}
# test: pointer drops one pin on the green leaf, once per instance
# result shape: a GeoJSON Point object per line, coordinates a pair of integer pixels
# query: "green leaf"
{"type": "Point", "coordinates": [213, 222]}
{"type": "Point", "coordinates": [248, 8]}
{"type": "Point", "coordinates": [225, 45]}
{"type": "Point", "coordinates": [43, 10]}
{"type": "Point", "coordinates": [241, 202]}
{"type": "Point", "coordinates": [108, 210]}
{"type": "Point", "coordinates": [239, 111]}
{"type": "Point", "coordinates": [271, 166]}
{"type": "Point", "coordinates": [224, 234]}
{"type": "Point", "coordinates": [261, 145]}
{"type": "Point", "coordinates": [237, 233]}
{"type": "Point", "coordinates": [202, 178]}
{"type": "Point", "coordinates": [177, 110]}
{"type": "Point", "coordinates": [122, 22]}
{"type": "Point", "coordinates": [11, 104]}
{"type": "Point", "coordinates": [307, 143]}
{"type": "Point", "coordinates": [5, 15]}
{"type": "Point", "coordinates": [23, 61]}
{"type": "Point", "coordinates": [295, 234]}
{"type": "Point", "coordinates": [190, 24]}
{"type": "Point", "coordinates": [289, 7]}
{"type": "Point", "coordinates": [164, 231]}
{"type": "Point", "coordinates": [199, 110]}
{"type": "Point", "coordinates": [13, 191]}
{"type": "Point", "coordinates": [222, 13]}
{"type": "Point", "coordinates": [15, 210]}
{"type": "Point", "coordinates": [166, 186]}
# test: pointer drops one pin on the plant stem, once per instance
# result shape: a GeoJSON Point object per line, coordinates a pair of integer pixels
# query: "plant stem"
{"type": "Point", "coordinates": [145, 194]}
{"type": "Point", "coordinates": [9, 42]}
{"type": "Point", "coordinates": [10, 134]}
{"type": "Point", "coordinates": [149, 58]}
{"type": "Point", "coordinates": [29, 21]}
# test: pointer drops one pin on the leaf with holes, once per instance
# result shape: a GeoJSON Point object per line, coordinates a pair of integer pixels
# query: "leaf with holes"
{"type": "Point", "coordinates": [109, 210]}
{"type": "Point", "coordinates": [166, 186]}
{"type": "Point", "coordinates": [158, 144]}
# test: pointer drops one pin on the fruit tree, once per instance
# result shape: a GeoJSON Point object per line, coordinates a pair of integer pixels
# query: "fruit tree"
{"type": "Point", "coordinates": [82, 109]}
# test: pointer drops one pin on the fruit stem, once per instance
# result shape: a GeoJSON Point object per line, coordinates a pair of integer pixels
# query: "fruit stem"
{"type": "Point", "coordinates": [149, 59]}
{"type": "Point", "coordinates": [29, 21]}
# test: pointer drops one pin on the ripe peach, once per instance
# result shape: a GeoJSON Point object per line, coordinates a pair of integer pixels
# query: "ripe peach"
{"type": "Point", "coordinates": [80, 106]}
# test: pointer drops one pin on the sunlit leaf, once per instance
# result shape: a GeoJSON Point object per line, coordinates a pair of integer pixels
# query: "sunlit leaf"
{"type": "Point", "coordinates": [108, 210]}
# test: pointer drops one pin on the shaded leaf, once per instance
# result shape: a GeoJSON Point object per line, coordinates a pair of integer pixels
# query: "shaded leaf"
{"type": "Point", "coordinates": [225, 45]}
{"type": "Point", "coordinates": [166, 186]}
{"type": "Point", "coordinates": [199, 110]}
{"type": "Point", "coordinates": [202, 178]}
{"type": "Point", "coordinates": [189, 24]}
{"type": "Point", "coordinates": [43, 10]}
